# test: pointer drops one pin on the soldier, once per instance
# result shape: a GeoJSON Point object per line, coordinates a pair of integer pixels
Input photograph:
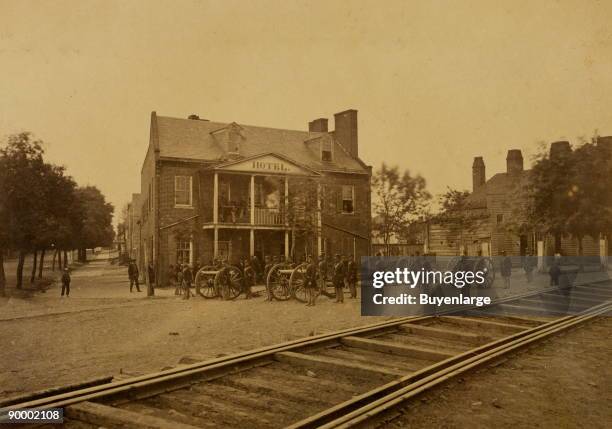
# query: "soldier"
{"type": "Point", "coordinates": [66, 282]}
{"type": "Point", "coordinates": [248, 278]}
{"type": "Point", "coordinates": [133, 275]}
{"type": "Point", "coordinates": [351, 276]}
{"type": "Point", "coordinates": [322, 272]}
{"type": "Point", "coordinates": [310, 281]}
{"type": "Point", "coordinates": [506, 269]}
{"type": "Point", "coordinates": [267, 267]}
{"type": "Point", "coordinates": [256, 265]}
{"type": "Point", "coordinates": [187, 280]}
{"type": "Point", "coordinates": [338, 278]}
{"type": "Point", "coordinates": [179, 280]}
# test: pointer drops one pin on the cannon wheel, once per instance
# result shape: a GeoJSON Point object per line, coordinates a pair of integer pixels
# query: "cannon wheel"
{"type": "Point", "coordinates": [278, 282]}
{"type": "Point", "coordinates": [486, 264]}
{"type": "Point", "coordinates": [205, 282]}
{"type": "Point", "coordinates": [296, 283]}
{"type": "Point", "coordinates": [231, 278]}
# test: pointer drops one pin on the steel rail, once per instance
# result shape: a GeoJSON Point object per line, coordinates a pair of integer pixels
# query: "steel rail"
{"type": "Point", "coordinates": [131, 385]}
{"type": "Point", "coordinates": [384, 403]}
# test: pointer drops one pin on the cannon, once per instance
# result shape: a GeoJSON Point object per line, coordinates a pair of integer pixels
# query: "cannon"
{"type": "Point", "coordinates": [286, 281]}
{"type": "Point", "coordinates": [214, 281]}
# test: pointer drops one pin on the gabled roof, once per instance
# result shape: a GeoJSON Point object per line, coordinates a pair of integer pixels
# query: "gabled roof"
{"type": "Point", "coordinates": [192, 139]}
{"type": "Point", "coordinates": [498, 184]}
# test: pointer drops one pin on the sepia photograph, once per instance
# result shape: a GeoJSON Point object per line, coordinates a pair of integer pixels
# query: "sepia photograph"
{"type": "Point", "coordinates": [305, 214]}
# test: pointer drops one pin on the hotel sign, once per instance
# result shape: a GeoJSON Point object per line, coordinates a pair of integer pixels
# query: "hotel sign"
{"type": "Point", "coordinates": [267, 164]}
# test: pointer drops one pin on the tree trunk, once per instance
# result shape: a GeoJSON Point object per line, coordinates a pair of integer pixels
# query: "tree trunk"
{"type": "Point", "coordinates": [2, 275]}
{"type": "Point", "coordinates": [41, 263]}
{"type": "Point", "coordinates": [54, 258]}
{"type": "Point", "coordinates": [65, 259]}
{"type": "Point", "coordinates": [22, 256]}
{"type": "Point", "coordinates": [34, 266]}
{"type": "Point", "coordinates": [59, 259]}
{"type": "Point", "coordinates": [82, 255]}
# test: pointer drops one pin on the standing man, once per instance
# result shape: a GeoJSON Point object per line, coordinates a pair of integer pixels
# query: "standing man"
{"type": "Point", "coordinates": [529, 265]}
{"type": "Point", "coordinates": [133, 274]}
{"type": "Point", "coordinates": [187, 280]}
{"type": "Point", "coordinates": [322, 272]}
{"type": "Point", "coordinates": [66, 282]}
{"type": "Point", "coordinates": [351, 276]}
{"type": "Point", "coordinates": [506, 269]}
{"type": "Point", "coordinates": [310, 281]}
{"type": "Point", "coordinates": [151, 274]}
{"type": "Point", "coordinates": [338, 279]}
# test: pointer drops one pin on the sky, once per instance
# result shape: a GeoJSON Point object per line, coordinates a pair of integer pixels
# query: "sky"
{"type": "Point", "coordinates": [435, 82]}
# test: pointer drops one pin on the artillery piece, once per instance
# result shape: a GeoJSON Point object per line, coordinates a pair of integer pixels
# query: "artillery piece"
{"type": "Point", "coordinates": [214, 281]}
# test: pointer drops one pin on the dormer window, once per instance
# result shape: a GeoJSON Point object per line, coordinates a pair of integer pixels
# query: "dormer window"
{"type": "Point", "coordinates": [326, 151]}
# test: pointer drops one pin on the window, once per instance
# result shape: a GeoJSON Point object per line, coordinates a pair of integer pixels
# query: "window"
{"type": "Point", "coordinates": [183, 252]}
{"type": "Point", "coordinates": [326, 151]}
{"type": "Point", "coordinates": [500, 218]}
{"type": "Point", "coordinates": [182, 191]}
{"type": "Point", "coordinates": [348, 199]}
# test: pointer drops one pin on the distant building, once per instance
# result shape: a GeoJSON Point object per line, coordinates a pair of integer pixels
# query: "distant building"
{"type": "Point", "coordinates": [227, 190]}
{"type": "Point", "coordinates": [132, 228]}
{"type": "Point", "coordinates": [491, 206]}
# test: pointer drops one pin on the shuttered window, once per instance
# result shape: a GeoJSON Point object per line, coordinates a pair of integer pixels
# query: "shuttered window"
{"type": "Point", "coordinates": [348, 199]}
{"type": "Point", "coordinates": [182, 191]}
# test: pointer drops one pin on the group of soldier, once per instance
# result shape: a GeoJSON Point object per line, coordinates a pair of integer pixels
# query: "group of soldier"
{"type": "Point", "coordinates": [341, 272]}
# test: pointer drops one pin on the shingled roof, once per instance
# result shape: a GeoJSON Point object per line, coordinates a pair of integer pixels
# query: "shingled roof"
{"type": "Point", "coordinates": [198, 139]}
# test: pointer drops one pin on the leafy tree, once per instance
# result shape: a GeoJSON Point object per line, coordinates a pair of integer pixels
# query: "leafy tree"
{"type": "Point", "coordinates": [97, 229]}
{"type": "Point", "coordinates": [23, 195]}
{"type": "Point", "coordinates": [569, 194]}
{"type": "Point", "coordinates": [301, 214]}
{"type": "Point", "coordinates": [399, 200]}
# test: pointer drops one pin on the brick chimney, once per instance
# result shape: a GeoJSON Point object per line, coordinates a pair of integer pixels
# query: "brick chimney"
{"type": "Point", "coordinates": [318, 125]}
{"type": "Point", "coordinates": [346, 131]}
{"type": "Point", "coordinates": [514, 161]}
{"type": "Point", "coordinates": [559, 149]}
{"type": "Point", "coordinates": [478, 173]}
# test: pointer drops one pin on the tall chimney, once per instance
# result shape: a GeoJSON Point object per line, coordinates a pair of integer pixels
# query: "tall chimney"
{"type": "Point", "coordinates": [318, 125]}
{"type": "Point", "coordinates": [478, 173]}
{"type": "Point", "coordinates": [514, 161]}
{"type": "Point", "coordinates": [346, 131]}
{"type": "Point", "coordinates": [559, 149]}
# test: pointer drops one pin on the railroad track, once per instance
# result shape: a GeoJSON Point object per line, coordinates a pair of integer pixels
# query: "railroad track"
{"type": "Point", "coordinates": [335, 380]}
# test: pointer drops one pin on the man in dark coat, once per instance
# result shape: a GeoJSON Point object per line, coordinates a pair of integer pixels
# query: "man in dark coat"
{"type": "Point", "coordinates": [151, 273]}
{"type": "Point", "coordinates": [506, 269]}
{"type": "Point", "coordinates": [351, 276]}
{"type": "Point", "coordinates": [66, 282]}
{"type": "Point", "coordinates": [529, 264]}
{"type": "Point", "coordinates": [133, 275]}
{"type": "Point", "coordinates": [310, 280]}
{"type": "Point", "coordinates": [187, 280]}
{"type": "Point", "coordinates": [338, 278]}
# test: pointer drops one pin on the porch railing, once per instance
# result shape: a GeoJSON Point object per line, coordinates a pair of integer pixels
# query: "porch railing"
{"type": "Point", "coordinates": [269, 216]}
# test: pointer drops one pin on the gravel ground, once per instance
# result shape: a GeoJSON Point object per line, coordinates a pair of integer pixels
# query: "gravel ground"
{"type": "Point", "coordinates": [103, 330]}
{"type": "Point", "coordinates": [562, 383]}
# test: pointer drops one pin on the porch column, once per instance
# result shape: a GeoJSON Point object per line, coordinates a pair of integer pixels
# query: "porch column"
{"type": "Point", "coordinates": [216, 242]}
{"type": "Point", "coordinates": [252, 242]}
{"type": "Point", "coordinates": [286, 216]}
{"type": "Point", "coordinates": [286, 244]}
{"type": "Point", "coordinates": [252, 192]}
{"type": "Point", "coordinates": [252, 231]}
{"type": "Point", "coordinates": [319, 223]}
{"type": "Point", "coordinates": [216, 203]}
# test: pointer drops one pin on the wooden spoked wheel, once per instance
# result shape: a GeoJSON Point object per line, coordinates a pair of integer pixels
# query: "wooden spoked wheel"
{"type": "Point", "coordinates": [205, 282]}
{"type": "Point", "coordinates": [229, 282]}
{"type": "Point", "coordinates": [297, 282]}
{"type": "Point", "coordinates": [278, 282]}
